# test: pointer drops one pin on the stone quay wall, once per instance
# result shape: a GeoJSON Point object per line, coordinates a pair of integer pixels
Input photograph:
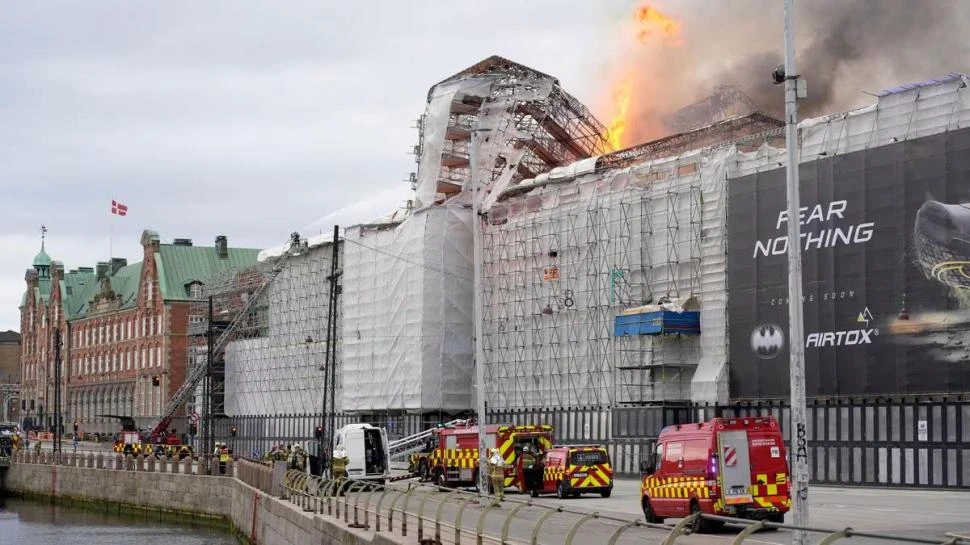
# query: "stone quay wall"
{"type": "Point", "coordinates": [243, 496]}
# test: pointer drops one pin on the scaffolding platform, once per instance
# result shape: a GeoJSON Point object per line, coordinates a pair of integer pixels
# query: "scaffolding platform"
{"type": "Point", "coordinates": [660, 322]}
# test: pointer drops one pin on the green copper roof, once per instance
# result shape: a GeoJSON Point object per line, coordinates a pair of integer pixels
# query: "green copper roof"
{"type": "Point", "coordinates": [42, 259]}
{"type": "Point", "coordinates": [85, 286]}
{"type": "Point", "coordinates": [179, 266]}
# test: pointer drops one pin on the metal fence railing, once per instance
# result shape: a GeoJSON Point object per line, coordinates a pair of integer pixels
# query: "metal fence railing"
{"type": "Point", "coordinates": [440, 515]}
{"type": "Point", "coordinates": [437, 515]}
{"type": "Point", "coordinates": [187, 465]}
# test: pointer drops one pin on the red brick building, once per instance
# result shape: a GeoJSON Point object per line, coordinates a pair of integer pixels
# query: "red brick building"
{"type": "Point", "coordinates": [123, 328]}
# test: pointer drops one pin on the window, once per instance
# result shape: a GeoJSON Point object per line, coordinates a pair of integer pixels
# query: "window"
{"type": "Point", "coordinates": [589, 458]}
{"type": "Point", "coordinates": [195, 290]}
{"type": "Point", "coordinates": [674, 454]}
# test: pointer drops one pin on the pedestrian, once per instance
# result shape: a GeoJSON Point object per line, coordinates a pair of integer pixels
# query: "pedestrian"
{"type": "Point", "coordinates": [496, 471]}
{"type": "Point", "coordinates": [37, 446]}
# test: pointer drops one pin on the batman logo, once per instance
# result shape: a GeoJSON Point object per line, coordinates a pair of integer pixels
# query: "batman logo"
{"type": "Point", "coordinates": [767, 340]}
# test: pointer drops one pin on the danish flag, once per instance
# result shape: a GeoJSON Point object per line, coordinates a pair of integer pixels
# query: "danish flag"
{"type": "Point", "coordinates": [118, 209]}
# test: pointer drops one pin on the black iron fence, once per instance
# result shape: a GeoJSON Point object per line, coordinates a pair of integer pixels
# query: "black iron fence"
{"type": "Point", "coordinates": [919, 443]}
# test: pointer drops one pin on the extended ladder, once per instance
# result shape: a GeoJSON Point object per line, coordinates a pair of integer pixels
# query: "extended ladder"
{"type": "Point", "coordinates": [414, 443]}
{"type": "Point", "coordinates": [197, 372]}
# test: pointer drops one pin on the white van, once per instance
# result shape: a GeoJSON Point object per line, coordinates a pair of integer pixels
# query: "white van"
{"type": "Point", "coordinates": [368, 456]}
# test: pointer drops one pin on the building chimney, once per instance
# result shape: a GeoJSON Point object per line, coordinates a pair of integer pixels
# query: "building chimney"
{"type": "Point", "coordinates": [57, 270]}
{"type": "Point", "coordinates": [182, 242]}
{"type": "Point", "coordinates": [222, 247]}
{"type": "Point", "coordinates": [102, 269]}
{"type": "Point", "coordinates": [117, 263]}
{"type": "Point", "coordinates": [31, 277]}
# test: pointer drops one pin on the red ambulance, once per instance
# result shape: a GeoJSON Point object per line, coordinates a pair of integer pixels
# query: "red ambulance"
{"type": "Point", "coordinates": [727, 466]}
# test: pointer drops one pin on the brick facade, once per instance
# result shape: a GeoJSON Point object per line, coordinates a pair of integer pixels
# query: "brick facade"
{"type": "Point", "coordinates": [10, 372]}
{"type": "Point", "coordinates": [124, 354]}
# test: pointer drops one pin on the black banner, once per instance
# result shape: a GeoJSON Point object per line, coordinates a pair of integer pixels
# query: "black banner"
{"type": "Point", "coordinates": [885, 239]}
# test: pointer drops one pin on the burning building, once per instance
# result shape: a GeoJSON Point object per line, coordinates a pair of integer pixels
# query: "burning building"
{"type": "Point", "coordinates": [585, 247]}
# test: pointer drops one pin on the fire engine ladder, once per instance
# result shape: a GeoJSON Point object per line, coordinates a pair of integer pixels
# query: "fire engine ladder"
{"type": "Point", "coordinates": [401, 448]}
{"type": "Point", "coordinates": [198, 371]}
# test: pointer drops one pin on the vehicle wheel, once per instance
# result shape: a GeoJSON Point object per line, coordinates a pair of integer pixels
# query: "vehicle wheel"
{"type": "Point", "coordinates": [700, 525]}
{"type": "Point", "coordinates": [423, 472]}
{"type": "Point", "coordinates": [648, 513]}
{"type": "Point", "coordinates": [777, 518]}
{"type": "Point", "coordinates": [561, 491]}
{"type": "Point", "coordinates": [606, 493]}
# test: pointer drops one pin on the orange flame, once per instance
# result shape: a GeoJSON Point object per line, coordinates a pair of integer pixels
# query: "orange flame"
{"type": "Point", "coordinates": [649, 23]}
{"type": "Point", "coordinates": [652, 21]}
{"type": "Point", "coordinates": [621, 97]}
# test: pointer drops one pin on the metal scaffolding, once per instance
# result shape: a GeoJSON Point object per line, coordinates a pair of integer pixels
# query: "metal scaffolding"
{"type": "Point", "coordinates": [568, 251]}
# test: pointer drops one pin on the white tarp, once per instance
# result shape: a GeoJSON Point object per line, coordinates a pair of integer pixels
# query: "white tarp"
{"type": "Point", "coordinates": [407, 314]}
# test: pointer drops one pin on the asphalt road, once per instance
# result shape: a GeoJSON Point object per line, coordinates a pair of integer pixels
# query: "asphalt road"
{"type": "Point", "coordinates": [915, 513]}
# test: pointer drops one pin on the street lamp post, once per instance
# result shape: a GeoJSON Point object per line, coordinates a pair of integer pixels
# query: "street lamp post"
{"type": "Point", "coordinates": [478, 196]}
{"type": "Point", "coordinates": [799, 439]}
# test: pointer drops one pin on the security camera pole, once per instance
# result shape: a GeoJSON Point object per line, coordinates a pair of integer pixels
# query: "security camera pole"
{"type": "Point", "coordinates": [799, 440]}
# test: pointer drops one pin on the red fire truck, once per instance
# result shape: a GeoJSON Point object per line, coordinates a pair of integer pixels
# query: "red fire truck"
{"type": "Point", "coordinates": [453, 458]}
{"type": "Point", "coordinates": [726, 466]}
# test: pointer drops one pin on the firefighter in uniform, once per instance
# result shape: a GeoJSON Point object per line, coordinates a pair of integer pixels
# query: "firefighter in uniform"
{"type": "Point", "coordinates": [496, 472]}
{"type": "Point", "coordinates": [527, 469]}
{"type": "Point", "coordinates": [338, 467]}
{"type": "Point", "coordinates": [223, 458]}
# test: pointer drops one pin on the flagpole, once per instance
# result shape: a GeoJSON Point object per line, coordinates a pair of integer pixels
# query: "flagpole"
{"type": "Point", "coordinates": [111, 236]}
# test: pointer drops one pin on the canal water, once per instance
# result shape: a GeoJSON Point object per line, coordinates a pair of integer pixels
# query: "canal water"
{"type": "Point", "coordinates": [25, 522]}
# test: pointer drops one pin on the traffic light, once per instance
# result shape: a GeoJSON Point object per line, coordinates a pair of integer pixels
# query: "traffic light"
{"type": "Point", "coordinates": [155, 381]}
{"type": "Point", "coordinates": [232, 431]}
{"type": "Point", "coordinates": [193, 429]}
{"type": "Point", "coordinates": [318, 433]}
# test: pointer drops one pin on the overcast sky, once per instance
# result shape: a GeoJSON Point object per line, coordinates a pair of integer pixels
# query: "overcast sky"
{"type": "Point", "coordinates": [253, 119]}
{"type": "Point", "coordinates": [244, 118]}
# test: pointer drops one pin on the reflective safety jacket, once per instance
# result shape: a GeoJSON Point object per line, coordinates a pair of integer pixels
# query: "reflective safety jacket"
{"type": "Point", "coordinates": [340, 462]}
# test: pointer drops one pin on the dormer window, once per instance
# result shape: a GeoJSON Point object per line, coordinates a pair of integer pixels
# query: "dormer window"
{"type": "Point", "coordinates": [195, 290]}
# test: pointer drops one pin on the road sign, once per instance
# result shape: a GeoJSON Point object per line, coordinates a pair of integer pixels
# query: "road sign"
{"type": "Point", "coordinates": [194, 418]}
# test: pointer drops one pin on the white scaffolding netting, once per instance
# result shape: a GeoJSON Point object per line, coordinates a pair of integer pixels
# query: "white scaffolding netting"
{"type": "Point", "coordinates": [407, 314]}
{"type": "Point", "coordinates": [279, 371]}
